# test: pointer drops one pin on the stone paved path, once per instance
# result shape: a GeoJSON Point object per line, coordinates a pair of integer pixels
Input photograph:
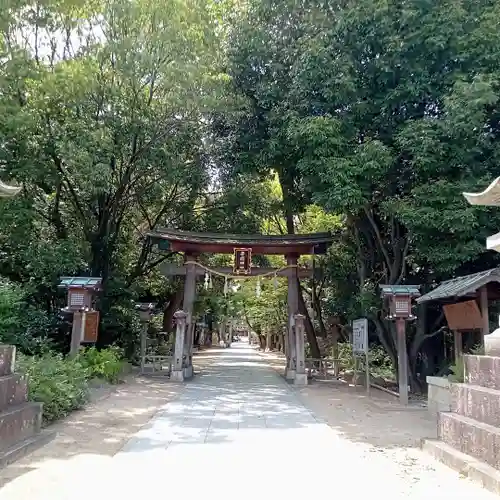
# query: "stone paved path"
{"type": "Point", "coordinates": [239, 431]}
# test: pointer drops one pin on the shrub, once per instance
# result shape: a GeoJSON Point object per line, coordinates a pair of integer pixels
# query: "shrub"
{"type": "Point", "coordinates": [380, 362]}
{"type": "Point", "coordinates": [457, 371]}
{"type": "Point", "coordinates": [59, 383]}
{"type": "Point", "coordinates": [105, 364]}
{"type": "Point", "coordinates": [21, 324]}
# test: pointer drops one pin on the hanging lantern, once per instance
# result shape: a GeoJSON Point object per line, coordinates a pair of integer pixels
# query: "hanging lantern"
{"type": "Point", "coordinates": [207, 281]}
{"type": "Point", "coordinates": [225, 286]}
{"type": "Point", "coordinates": [257, 288]}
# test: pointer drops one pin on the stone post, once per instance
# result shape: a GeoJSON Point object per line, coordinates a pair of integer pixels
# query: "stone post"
{"type": "Point", "coordinates": [230, 333]}
{"type": "Point", "coordinates": [202, 337]}
{"type": "Point", "coordinates": [293, 308]}
{"type": "Point", "coordinates": [144, 339]}
{"type": "Point", "coordinates": [300, 369]}
{"type": "Point", "coordinates": [285, 344]}
{"type": "Point", "coordinates": [180, 331]}
{"type": "Point", "coordinates": [187, 306]}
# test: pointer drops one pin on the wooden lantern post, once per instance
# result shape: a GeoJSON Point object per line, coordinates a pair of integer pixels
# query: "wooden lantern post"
{"type": "Point", "coordinates": [399, 300]}
{"type": "Point", "coordinates": [81, 293]}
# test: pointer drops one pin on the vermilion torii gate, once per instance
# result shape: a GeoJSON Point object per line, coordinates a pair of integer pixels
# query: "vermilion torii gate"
{"type": "Point", "coordinates": [193, 244]}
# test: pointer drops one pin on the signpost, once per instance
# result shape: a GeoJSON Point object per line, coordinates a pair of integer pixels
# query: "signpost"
{"type": "Point", "coordinates": [360, 346]}
{"type": "Point", "coordinates": [242, 261]}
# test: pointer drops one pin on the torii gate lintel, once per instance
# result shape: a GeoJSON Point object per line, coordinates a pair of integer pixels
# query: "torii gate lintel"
{"type": "Point", "coordinates": [193, 244]}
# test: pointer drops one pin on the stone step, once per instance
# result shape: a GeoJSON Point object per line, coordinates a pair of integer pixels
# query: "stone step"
{"type": "Point", "coordinates": [19, 423]}
{"type": "Point", "coordinates": [474, 438]}
{"type": "Point", "coordinates": [24, 447]}
{"type": "Point", "coordinates": [483, 371]}
{"type": "Point", "coordinates": [476, 402]}
{"type": "Point", "coordinates": [7, 358]}
{"type": "Point", "coordinates": [476, 470]}
{"type": "Point", "coordinates": [13, 390]}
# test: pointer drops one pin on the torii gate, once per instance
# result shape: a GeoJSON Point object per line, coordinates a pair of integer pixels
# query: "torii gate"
{"type": "Point", "coordinates": [193, 244]}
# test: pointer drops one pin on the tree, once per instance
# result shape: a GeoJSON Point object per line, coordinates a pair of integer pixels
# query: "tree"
{"type": "Point", "coordinates": [103, 124]}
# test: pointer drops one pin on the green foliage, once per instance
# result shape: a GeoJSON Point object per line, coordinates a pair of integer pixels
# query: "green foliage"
{"type": "Point", "coordinates": [106, 364]}
{"type": "Point", "coordinates": [21, 324]}
{"type": "Point", "coordinates": [106, 136]}
{"type": "Point", "coordinates": [478, 349]}
{"type": "Point", "coordinates": [59, 383]}
{"type": "Point", "coordinates": [380, 362]}
{"type": "Point", "coordinates": [457, 371]}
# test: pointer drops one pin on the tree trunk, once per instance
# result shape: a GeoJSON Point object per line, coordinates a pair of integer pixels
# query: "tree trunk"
{"type": "Point", "coordinates": [262, 341]}
{"type": "Point", "coordinates": [170, 308]}
{"type": "Point", "coordinates": [311, 335]}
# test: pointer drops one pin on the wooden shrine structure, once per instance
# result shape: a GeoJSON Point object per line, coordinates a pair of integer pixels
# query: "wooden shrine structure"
{"type": "Point", "coordinates": [243, 247]}
{"type": "Point", "coordinates": [465, 302]}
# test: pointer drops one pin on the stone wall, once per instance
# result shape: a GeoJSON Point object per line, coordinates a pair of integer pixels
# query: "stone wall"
{"type": "Point", "coordinates": [469, 431]}
{"type": "Point", "coordinates": [20, 420]}
{"type": "Point", "coordinates": [438, 395]}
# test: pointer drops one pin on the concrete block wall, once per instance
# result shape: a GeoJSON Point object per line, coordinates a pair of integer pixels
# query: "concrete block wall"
{"type": "Point", "coordinates": [438, 395]}
{"type": "Point", "coordinates": [469, 433]}
{"type": "Point", "coordinates": [20, 421]}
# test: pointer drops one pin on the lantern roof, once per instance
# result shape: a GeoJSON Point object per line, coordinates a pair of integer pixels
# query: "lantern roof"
{"type": "Point", "coordinates": [411, 290]}
{"type": "Point", "coordinates": [81, 282]}
{"type": "Point", "coordinates": [489, 197]}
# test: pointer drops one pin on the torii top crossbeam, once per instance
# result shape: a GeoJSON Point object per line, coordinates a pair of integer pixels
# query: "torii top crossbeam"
{"type": "Point", "coordinates": [192, 242]}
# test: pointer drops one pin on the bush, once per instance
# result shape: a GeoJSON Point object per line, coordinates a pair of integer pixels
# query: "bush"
{"type": "Point", "coordinates": [106, 364]}
{"type": "Point", "coordinates": [380, 362]}
{"type": "Point", "coordinates": [22, 324]}
{"type": "Point", "coordinates": [457, 371]}
{"type": "Point", "coordinates": [59, 383]}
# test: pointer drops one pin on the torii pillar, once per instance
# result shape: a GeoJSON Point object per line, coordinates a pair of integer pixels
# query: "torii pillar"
{"type": "Point", "coordinates": [293, 309]}
{"type": "Point", "coordinates": [188, 306]}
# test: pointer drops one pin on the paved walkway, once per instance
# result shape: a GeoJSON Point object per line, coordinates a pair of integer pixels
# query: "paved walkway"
{"type": "Point", "coordinates": [239, 431]}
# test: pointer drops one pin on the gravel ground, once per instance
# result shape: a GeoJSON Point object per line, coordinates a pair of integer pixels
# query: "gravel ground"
{"type": "Point", "coordinates": [375, 437]}
{"type": "Point", "coordinates": [385, 438]}
{"type": "Point", "coordinates": [87, 439]}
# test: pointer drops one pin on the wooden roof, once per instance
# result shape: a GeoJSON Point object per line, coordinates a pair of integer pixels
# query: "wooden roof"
{"type": "Point", "coordinates": [187, 241]}
{"type": "Point", "coordinates": [465, 287]}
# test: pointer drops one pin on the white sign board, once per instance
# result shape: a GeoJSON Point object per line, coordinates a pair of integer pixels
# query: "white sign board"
{"type": "Point", "coordinates": [360, 336]}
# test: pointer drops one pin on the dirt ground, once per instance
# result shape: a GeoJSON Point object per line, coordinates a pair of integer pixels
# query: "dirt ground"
{"type": "Point", "coordinates": [375, 427]}
{"type": "Point", "coordinates": [377, 420]}
{"type": "Point", "coordinates": [94, 434]}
